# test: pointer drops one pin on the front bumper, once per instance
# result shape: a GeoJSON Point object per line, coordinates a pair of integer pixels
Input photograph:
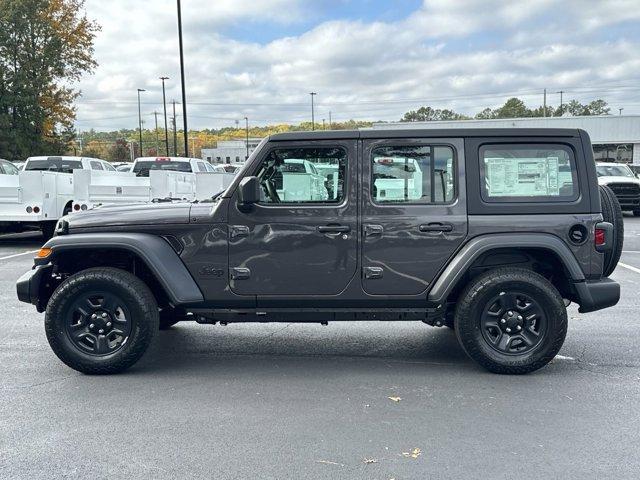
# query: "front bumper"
{"type": "Point", "coordinates": [597, 294]}
{"type": "Point", "coordinates": [30, 284]}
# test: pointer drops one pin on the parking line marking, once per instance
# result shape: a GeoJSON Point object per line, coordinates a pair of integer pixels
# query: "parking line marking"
{"type": "Point", "coordinates": [18, 255]}
{"type": "Point", "coordinates": [629, 267]}
{"type": "Point", "coordinates": [630, 251]}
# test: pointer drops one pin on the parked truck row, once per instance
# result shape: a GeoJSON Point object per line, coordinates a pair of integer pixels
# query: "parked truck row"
{"type": "Point", "coordinates": [47, 188]}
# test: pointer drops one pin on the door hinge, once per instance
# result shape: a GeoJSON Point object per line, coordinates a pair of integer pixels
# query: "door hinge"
{"type": "Point", "coordinates": [239, 273]}
{"type": "Point", "coordinates": [371, 230]}
{"type": "Point", "coordinates": [238, 231]}
{"type": "Point", "coordinates": [373, 273]}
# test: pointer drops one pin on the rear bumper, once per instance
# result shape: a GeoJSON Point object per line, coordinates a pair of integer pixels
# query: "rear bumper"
{"type": "Point", "coordinates": [597, 294]}
{"type": "Point", "coordinates": [28, 285]}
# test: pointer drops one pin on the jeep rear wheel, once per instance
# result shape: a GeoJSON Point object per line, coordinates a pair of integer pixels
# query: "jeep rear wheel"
{"type": "Point", "coordinates": [511, 321]}
{"type": "Point", "coordinates": [101, 320]}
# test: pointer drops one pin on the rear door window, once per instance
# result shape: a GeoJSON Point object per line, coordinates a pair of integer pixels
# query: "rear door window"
{"type": "Point", "coordinates": [95, 165]}
{"type": "Point", "coordinates": [413, 174]}
{"type": "Point", "coordinates": [528, 173]}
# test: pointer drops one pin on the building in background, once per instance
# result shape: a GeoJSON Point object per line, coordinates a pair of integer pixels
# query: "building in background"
{"type": "Point", "coordinates": [230, 151]}
{"type": "Point", "coordinates": [615, 138]}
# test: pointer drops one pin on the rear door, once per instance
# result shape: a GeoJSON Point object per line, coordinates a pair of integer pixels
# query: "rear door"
{"type": "Point", "coordinates": [414, 212]}
{"type": "Point", "coordinates": [297, 240]}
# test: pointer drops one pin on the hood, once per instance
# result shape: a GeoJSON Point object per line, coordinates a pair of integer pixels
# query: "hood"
{"type": "Point", "coordinates": [124, 215]}
{"type": "Point", "coordinates": [609, 180]}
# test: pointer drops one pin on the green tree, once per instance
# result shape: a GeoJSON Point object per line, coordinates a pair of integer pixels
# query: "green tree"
{"type": "Point", "coordinates": [513, 108]}
{"type": "Point", "coordinates": [45, 46]}
{"type": "Point", "coordinates": [428, 114]}
{"type": "Point", "coordinates": [119, 152]}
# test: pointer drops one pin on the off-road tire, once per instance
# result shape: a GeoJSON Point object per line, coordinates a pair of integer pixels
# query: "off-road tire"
{"type": "Point", "coordinates": [612, 213]}
{"type": "Point", "coordinates": [476, 296]}
{"type": "Point", "coordinates": [139, 300]}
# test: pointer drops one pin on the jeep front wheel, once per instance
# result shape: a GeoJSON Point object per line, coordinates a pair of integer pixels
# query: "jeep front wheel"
{"type": "Point", "coordinates": [511, 321]}
{"type": "Point", "coordinates": [101, 320]}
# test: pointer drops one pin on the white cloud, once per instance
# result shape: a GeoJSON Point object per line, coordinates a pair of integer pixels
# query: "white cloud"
{"type": "Point", "coordinates": [463, 55]}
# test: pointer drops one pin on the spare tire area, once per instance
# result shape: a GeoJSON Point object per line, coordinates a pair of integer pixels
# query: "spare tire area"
{"type": "Point", "coordinates": [612, 213]}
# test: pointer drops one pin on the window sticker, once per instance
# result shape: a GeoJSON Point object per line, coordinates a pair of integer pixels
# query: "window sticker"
{"type": "Point", "coordinates": [517, 177]}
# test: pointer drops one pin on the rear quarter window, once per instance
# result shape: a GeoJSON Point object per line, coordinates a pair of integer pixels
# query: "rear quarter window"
{"type": "Point", "coordinates": [528, 173]}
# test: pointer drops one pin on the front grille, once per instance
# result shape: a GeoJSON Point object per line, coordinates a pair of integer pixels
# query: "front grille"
{"type": "Point", "coordinates": [625, 188]}
{"type": "Point", "coordinates": [628, 194]}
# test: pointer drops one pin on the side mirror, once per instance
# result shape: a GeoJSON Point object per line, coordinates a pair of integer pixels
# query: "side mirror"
{"type": "Point", "coordinates": [249, 191]}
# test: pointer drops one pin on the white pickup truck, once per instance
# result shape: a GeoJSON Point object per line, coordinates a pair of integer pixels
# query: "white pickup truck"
{"type": "Point", "coordinates": [42, 192]}
{"type": "Point", "coordinates": [184, 178]}
{"type": "Point", "coordinates": [626, 186]}
{"type": "Point", "coordinates": [148, 179]}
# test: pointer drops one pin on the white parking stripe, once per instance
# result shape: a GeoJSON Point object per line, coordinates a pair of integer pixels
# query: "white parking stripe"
{"type": "Point", "coordinates": [18, 255]}
{"type": "Point", "coordinates": [629, 267]}
{"type": "Point", "coordinates": [630, 251]}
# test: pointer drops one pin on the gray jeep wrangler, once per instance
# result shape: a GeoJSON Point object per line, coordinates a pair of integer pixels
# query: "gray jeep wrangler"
{"type": "Point", "coordinates": [489, 232]}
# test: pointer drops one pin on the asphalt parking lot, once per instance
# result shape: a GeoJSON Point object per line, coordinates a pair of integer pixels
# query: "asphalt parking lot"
{"type": "Point", "coordinates": [306, 401]}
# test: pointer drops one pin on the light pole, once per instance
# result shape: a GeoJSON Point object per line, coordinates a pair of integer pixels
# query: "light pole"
{"type": "Point", "coordinates": [166, 128]}
{"type": "Point", "coordinates": [246, 123]}
{"type": "Point", "coordinates": [140, 118]}
{"type": "Point", "coordinates": [175, 131]}
{"type": "Point", "coordinates": [313, 116]}
{"type": "Point", "coordinates": [184, 92]}
{"type": "Point", "coordinates": [561, 104]}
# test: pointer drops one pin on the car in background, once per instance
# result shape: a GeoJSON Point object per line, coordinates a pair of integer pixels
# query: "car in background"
{"type": "Point", "coordinates": [8, 168]}
{"type": "Point", "coordinates": [123, 167]}
{"type": "Point", "coordinates": [624, 183]}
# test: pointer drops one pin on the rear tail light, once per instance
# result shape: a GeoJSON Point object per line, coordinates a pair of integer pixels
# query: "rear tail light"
{"type": "Point", "coordinates": [36, 209]}
{"type": "Point", "coordinates": [76, 207]}
{"type": "Point", "coordinates": [29, 209]}
{"type": "Point", "coordinates": [83, 207]}
{"type": "Point", "coordinates": [600, 237]}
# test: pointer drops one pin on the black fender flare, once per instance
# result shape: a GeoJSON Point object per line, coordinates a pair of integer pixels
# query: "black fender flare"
{"type": "Point", "coordinates": [472, 250]}
{"type": "Point", "coordinates": [154, 251]}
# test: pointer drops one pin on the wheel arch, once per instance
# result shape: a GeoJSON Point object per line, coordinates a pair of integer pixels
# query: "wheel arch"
{"type": "Point", "coordinates": [491, 251]}
{"type": "Point", "coordinates": [159, 261]}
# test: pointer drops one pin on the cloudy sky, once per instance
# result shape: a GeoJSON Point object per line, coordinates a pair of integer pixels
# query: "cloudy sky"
{"type": "Point", "coordinates": [367, 59]}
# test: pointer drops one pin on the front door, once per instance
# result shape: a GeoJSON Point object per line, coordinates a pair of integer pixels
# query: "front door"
{"type": "Point", "coordinates": [302, 237]}
{"type": "Point", "coordinates": [414, 214]}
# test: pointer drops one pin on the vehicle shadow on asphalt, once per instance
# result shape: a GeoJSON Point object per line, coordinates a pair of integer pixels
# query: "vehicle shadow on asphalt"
{"type": "Point", "coordinates": [22, 240]}
{"type": "Point", "coordinates": [189, 347]}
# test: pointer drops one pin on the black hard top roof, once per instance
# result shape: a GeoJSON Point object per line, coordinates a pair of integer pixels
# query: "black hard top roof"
{"type": "Point", "coordinates": [425, 133]}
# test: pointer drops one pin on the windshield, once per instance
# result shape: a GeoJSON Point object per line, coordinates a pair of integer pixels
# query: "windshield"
{"type": "Point", "coordinates": [53, 164]}
{"type": "Point", "coordinates": [142, 168]}
{"type": "Point", "coordinates": [614, 171]}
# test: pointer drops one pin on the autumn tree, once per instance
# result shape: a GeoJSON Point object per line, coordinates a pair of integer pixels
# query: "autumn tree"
{"type": "Point", "coordinates": [45, 46]}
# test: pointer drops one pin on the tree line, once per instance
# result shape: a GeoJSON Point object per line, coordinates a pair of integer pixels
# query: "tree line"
{"type": "Point", "coordinates": [512, 108]}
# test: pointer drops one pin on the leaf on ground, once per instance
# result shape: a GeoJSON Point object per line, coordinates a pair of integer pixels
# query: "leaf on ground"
{"type": "Point", "coordinates": [415, 453]}
{"type": "Point", "coordinates": [369, 460]}
{"type": "Point", "coordinates": [394, 399]}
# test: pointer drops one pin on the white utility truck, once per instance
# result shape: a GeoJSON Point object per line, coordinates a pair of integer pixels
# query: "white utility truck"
{"type": "Point", "coordinates": [42, 192]}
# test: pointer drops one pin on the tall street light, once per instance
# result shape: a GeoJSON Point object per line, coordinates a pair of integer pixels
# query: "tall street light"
{"type": "Point", "coordinates": [166, 127]}
{"type": "Point", "coordinates": [313, 117]}
{"type": "Point", "coordinates": [184, 92]}
{"type": "Point", "coordinates": [246, 123]}
{"type": "Point", "coordinates": [140, 119]}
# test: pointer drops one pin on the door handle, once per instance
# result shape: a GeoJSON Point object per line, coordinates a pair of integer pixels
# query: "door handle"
{"type": "Point", "coordinates": [436, 227]}
{"type": "Point", "coordinates": [334, 229]}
